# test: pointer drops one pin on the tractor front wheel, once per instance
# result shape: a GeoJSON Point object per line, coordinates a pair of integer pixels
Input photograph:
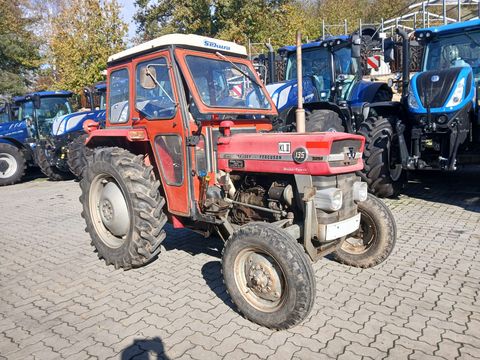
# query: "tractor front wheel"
{"type": "Point", "coordinates": [52, 172]}
{"type": "Point", "coordinates": [122, 208]}
{"type": "Point", "coordinates": [383, 169]}
{"type": "Point", "coordinates": [323, 120]}
{"type": "Point", "coordinates": [268, 276]}
{"type": "Point", "coordinates": [375, 239]}
{"type": "Point", "coordinates": [78, 153]}
{"type": "Point", "coordinates": [12, 164]}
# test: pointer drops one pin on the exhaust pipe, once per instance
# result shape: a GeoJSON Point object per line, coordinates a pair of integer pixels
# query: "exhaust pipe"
{"type": "Point", "coordinates": [271, 63]}
{"type": "Point", "coordinates": [300, 111]}
{"type": "Point", "coordinates": [405, 60]}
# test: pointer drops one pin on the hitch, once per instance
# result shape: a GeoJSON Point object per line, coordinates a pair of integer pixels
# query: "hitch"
{"type": "Point", "coordinates": [407, 161]}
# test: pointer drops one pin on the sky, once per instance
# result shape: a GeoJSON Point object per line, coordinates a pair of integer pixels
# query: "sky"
{"type": "Point", "coordinates": [128, 9]}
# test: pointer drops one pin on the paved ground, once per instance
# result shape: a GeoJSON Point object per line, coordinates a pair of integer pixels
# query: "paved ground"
{"type": "Point", "coordinates": [57, 300]}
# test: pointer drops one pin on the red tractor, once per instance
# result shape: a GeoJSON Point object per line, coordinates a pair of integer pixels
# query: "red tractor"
{"type": "Point", "coordinates": [188, 140]}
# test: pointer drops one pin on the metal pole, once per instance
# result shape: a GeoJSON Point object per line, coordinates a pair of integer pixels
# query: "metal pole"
{"type": "Point", "coordinates": [415, 21]}
{"type": "Point", "coordinates": [444, 4]}
{"type": "Point", "coordinates": [423, 14]}
{"type": "Point", "coordinates": [300, 111]}
{"type": "Point", "coordinates": [346, 27]}
{"type": "Point", "coordinates": [323, 29]}
{"type": "Point", "coordinates": [383, 38]}
{"type": "Point", "coordinates": [459, 7]}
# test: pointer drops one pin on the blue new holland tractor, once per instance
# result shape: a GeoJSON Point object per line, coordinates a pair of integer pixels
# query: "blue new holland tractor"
{"type": "Point", "coordinates": [336, 98]}
{"type": "Point", "coordinates": [441, 126]}
{"type": "Point", "coordinates": [41, 129]}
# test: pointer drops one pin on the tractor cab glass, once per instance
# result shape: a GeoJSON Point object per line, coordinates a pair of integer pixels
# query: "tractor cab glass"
{"type": "Point", "coordinates": [119, 97]}
{"type": "Point", "coordinates": [317, 64]}
{"type": "Point", "coordinates": [42, 117]}
{"type": "Point", "coordinates": [221, 84]}
{"type": "Point", "coordinates": [154, 94]}
{"type": "Point", "coordinates": [456, 50]}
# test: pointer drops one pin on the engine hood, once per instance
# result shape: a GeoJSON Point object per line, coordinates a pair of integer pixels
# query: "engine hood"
{"type": "Point", "coordinates": [73, 122]}
{"type": "Point", "coordinates": [291, 153]}
{"type": "Point", "coordinates": [436, 88]}
{"type": "Point", "coordinates": [284, 94]}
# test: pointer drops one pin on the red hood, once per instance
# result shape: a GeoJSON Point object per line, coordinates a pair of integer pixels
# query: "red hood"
{"type": "Point", "coordinates": [315, 153]}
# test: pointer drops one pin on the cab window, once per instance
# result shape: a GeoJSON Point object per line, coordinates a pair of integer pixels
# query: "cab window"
{"type": "Point", "coordinates": [119, 95]}
{"type": "Point", "coordinates": [154, 97]}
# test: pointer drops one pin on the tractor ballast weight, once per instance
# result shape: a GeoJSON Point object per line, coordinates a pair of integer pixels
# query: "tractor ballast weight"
{"type": "Point", "coordinates": [189, 140]}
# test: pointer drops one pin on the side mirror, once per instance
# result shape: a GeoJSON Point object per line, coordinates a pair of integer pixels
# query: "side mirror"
{"type": "Point", "coordinates": [356, 46]}
{"type": "Point", "coordinates": [389, 50]}
{"type": "Point", "coordinates": [37, 102]}
{"type": "Point", "coordinates": [148, 75]}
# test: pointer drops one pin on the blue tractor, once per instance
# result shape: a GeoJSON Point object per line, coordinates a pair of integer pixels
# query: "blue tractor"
{"type": "Point", "coordinates": [336, 98]}
{"type": "Point", "coordinates": [440, 129]}
{"type": "Point", "coordinates": [42, 129]}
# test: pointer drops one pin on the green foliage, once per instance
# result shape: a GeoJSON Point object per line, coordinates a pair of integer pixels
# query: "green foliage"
{"type": "Point", "coordinates": [84, 34]}
{"type": "Point", "coordinates": [18, 47]}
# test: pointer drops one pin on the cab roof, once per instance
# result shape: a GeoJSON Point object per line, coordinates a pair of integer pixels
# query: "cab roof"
{"type": "Point", "coordinates": [451, 28]}
{"type": "Point", "coordinates": [315, 44]}
{"type": "Point", "coordinates": [42, 94]}
{"type": "Point", "coordinates": [195, 41]}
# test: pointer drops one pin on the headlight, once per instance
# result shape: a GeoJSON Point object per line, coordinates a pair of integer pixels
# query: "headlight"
{"type": "Point", "coordinates": [412, 101]}
{"type": "Point", "coordinates": [360, 191]}
{"type": "Point", "coordinates": [457, 94]}
{"type": "Point", "coordinates": [328, 199]}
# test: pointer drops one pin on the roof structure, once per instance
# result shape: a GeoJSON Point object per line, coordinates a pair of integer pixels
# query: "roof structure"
{"type": "Point", "coordinates": [191, 40]}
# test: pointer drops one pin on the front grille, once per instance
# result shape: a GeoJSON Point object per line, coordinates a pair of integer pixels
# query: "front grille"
{"type": "Point", "coordinates": [343, 182]}
{"type": "Point", "coordinates": [435, 93]}
{"type": "Point", "coordinates": [347, 148]}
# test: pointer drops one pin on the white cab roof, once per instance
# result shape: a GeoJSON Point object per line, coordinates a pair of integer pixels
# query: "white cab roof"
{"type": "Point", "coordinates": [201, 42]}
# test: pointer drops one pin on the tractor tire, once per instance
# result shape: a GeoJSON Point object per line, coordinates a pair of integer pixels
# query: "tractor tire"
{"type": "Point", "coordinates": [52, 172]}
{"type": "Point", "coordinates": [323, 121]}
{"type": "Point", "coordinates": [122, 208]}
{"type": "Point", "coordinates": [383, 178]}
{"type": "Point", "coordinates": [268, 276]}
{"type": "Point", "coordinates": [375, 239]}
{"type": "Point", "coordinates": [12, 164]}
{"type": "Point", "coordinates": [78, 153]}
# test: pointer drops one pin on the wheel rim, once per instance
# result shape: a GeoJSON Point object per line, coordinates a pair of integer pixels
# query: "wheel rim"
{"type": "Point", "coordinates": [8, 166]}
{"type": "Point", "coordinates": [109, 211]}
{"type": "Point", "coordinates": [364, 238]}
{"type": "Point", "coordinates": [260, 279]}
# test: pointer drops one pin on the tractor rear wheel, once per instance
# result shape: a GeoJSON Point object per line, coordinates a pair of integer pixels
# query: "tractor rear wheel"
{"type": "Point", "coordinates": [12, 164]}
{"type": "Point", "coordinates": [375, 239]}
{"type": "Point", "coordinates": [52, 172]}
{"type": "Point", "coordinates": [122, 208]}
{"type": "Point", "coordinates": [323, 120]}
{"type": "Point", "coordinates": [383, 169]}
{"type": "Point", "coordinates": [268, 276]}
{"type": "Point", "coordinates": [77, 155]}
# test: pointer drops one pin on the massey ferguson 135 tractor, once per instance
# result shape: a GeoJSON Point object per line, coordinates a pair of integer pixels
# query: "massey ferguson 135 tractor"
{"type": "Point", "coordinates": [337, 99]}
{"type": "Point", "coordinates": [181, 145]}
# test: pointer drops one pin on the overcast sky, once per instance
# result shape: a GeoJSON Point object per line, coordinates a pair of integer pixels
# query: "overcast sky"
{"type": "Point", "coordinates": [127, 14]}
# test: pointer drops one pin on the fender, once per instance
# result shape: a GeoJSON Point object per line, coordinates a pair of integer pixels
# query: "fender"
{"type": "Point", "coordinates": [102, 136]}
{"type": "Point", "coordinates": [365, 91]}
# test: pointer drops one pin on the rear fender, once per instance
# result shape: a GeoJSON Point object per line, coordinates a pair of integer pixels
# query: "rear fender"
{"type": "Point", "coordinates": [366, 91]}
{"type": "Point", "coordinates": [288, 116]}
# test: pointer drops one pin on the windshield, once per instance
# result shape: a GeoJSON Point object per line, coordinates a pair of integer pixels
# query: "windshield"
{"type": "Point", "coordinates": [220, 84]}
{"type": "Point", "coordinates": [453, 51]}
{"type": "Point", "coordinates": [316, 64]}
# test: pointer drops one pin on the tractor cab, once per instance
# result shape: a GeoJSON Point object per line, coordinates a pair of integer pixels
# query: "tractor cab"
{"type": "Point", "coordinates": [188, 139]}
{"type": "Point", "coordinates": [40, 110]}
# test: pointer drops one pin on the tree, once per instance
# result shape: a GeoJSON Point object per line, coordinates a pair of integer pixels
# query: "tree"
{"type": "Point", "coordinates": [84, 34]}
{"type": "Point", "coordinates": [18, 47]}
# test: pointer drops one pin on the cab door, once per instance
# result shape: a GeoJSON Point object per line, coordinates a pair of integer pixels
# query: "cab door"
{"type": "Point", "coordinates": [157, 108]}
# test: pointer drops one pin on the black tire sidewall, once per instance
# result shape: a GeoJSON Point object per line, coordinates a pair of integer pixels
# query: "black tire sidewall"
{"type": "Point", "coordinates": [102, 167]}
{"type": "Point", "coordinates": [385, 237]}
{"type": "Point", "coordinates": [321, 120]}
{"type": "Point", "coordinates": [282, 317]}
{"type": "Point", "coordinates": [19, 159]}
